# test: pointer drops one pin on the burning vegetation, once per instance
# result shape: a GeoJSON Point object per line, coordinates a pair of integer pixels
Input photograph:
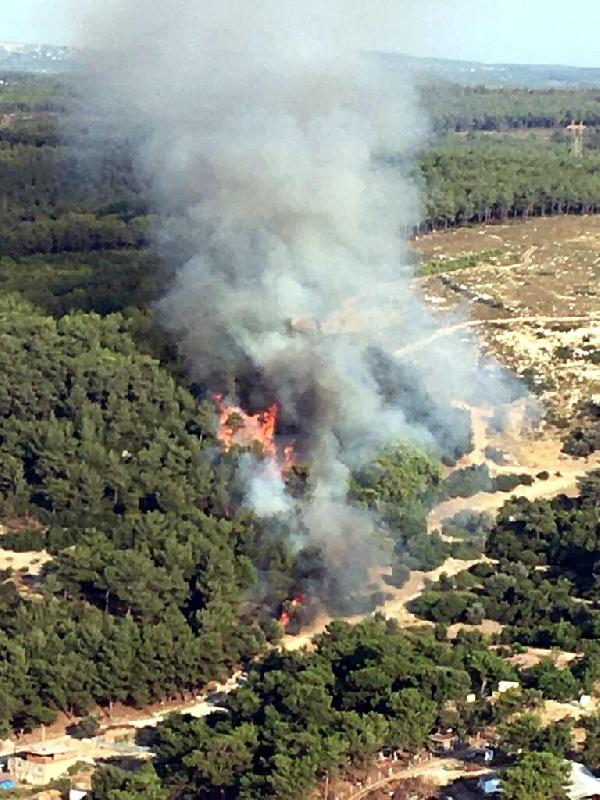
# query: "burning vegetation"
{"type": "Point", "coordinates": [276, 214]}
{"type": "Point", "coordinates": [289, 610]}
{"type": "Point", "coordinates": [237, 428]}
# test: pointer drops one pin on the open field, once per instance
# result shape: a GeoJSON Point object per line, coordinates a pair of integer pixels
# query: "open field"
{"type": "Point", "coordinates": [531, 297]}
{"type": "Point", "coordinates": [523, 451]}
{"type": "Point", "coordinates": [537, 310]}
{"type": "Point", "coordinates": [29, 563]}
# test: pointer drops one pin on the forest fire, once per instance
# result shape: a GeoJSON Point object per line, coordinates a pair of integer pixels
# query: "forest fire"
{"type": "Point", "coordinates": [236, 427]}
{"type": "Point", "coordinates": [287, 612]}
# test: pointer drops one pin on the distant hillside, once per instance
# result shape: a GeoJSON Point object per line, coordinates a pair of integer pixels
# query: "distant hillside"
{"type": "Point", "coordinates": [475, 72]}
{"type": "Point", "coordinates": [52, 58]}
{"type": "Point", "coordinates": [35, 57]}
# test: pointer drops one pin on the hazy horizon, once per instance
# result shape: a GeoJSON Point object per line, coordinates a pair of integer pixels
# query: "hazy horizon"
{"type": "Point", "coordinates": [538, 32]}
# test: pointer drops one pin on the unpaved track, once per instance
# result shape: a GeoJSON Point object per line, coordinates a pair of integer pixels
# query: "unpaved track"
{"type": "Point", "coordinates": [477, 323]}
{"type": "Point", "coordinates": [566, 483]}
{"type": "Point", "coordinates": [531, 457]}
{"type": "Point", "coordinates": [440, 771]}
{"type": "Point", "coordinates": [198, 707]}
{"type": "Point", "coordinates": [395, 608]}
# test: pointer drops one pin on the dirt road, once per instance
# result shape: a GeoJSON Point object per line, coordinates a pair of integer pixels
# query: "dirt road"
{"type": "Point", "coordinates": [100, 747]}
{"type": "Point", "coordinates": [530, 456]}
{"type": "Point", "coordinates": [478, 323]}
{"type": "Point", "coordinates": [566, 483]}
{"type": "Point", "coordinates": [524, 455]}
{"type": "Point", "coordinates": [438, 771]}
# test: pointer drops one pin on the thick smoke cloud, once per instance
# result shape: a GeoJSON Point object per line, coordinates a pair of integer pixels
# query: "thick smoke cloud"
{"type": "Point", "coordinates": [266, 143]}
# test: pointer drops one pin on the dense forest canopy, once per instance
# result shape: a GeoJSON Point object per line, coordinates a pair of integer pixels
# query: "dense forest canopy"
{"type": "Point", "coordinates": [159, 579]}
{"type": "Point", "coordinates": [145, 523]}
{"type": "Point", "coordinates": [372, 687]}
{"type": "Point", "coordinates": [302, 716]}
{"type": "Point", "coordinates": [75, 218]}
{"type": "Point", "coordinates": [457, 107]}
{"type": "Point", "coordinates": [118, 461]}
{"type": "Point", "coordinates": [480, 179]}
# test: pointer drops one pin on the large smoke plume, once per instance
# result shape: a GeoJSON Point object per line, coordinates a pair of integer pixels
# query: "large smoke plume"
{"type": "Point", "coordinates": [267, 143]}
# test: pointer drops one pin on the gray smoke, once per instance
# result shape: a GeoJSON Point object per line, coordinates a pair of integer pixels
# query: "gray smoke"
{"type": "Point", "coordinates": [266, 142]}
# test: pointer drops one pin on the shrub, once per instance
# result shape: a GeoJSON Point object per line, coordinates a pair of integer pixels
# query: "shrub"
{"type": "Point", "coordinates": [467, 482]}
{"type": "Point", "coordinates": [400, 575]}
{"type": "Point", "coordinates": [24, 541]}
{"type": "Point", "coordinates": [554, 683]}
{"type": "Point", "coordinates": [85, 728]}
{"type": "Point", "coordinates": [508, 483]}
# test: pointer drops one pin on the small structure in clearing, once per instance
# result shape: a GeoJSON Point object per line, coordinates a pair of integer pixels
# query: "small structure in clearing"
{"type": "Point", "coordinates": [39, 766]}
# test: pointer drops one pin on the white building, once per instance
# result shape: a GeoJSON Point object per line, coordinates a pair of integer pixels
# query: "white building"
{"type": "Point", "coordinates": [583, 783]}
{"type": "Point", "coordinates": [41, 765]}
{"type": "Point", "coordinates": [489, 784]}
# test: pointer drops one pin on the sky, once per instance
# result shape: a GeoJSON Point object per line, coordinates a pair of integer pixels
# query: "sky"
{"type": "Point", "coordinates": [521, 31]}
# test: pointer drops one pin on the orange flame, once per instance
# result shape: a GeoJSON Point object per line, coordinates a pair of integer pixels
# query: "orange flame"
{"type": "Point", "coordinates": [284, 619]}
{"type": "Point", "coordinates": [289, 457]}
{"type": "Point", "coordinates": [285, 616]}
{"type": "Point", "coordinates": [236, 427]}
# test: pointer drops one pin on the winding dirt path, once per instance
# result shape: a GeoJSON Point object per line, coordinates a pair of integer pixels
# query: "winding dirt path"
{"type": "Point", "coordinates": [530, 456]}
{"type": "Point", "coordinates": [525, 456]}
{"type": "Point", "coordinates": [565, 483]}
{"type": "Point", "coordinates": [394, 608]}
{"type": "Point", "coordinates": [477, 323]}
{"type": "Point", "coordinates": [439, 771]}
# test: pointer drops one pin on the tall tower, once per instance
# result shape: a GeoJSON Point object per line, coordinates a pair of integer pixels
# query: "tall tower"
{"type": "Point", "coordinates": [577, 130]}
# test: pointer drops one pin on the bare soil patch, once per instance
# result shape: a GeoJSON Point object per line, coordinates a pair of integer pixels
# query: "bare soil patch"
{"type": "Point", "coordinates": [24, 563]}
{"type": "Point", "coordinates": [395, 608]}
{"type": "Point", "coordinates": [533, 655]}
{"type": "Point", "coordinates": [540, 310]}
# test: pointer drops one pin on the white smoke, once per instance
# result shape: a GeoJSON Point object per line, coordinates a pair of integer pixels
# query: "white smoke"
{"type": "Point", "coordinates": [265, 141]}
{"type": "Point", "coordinates": [265, 487]}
